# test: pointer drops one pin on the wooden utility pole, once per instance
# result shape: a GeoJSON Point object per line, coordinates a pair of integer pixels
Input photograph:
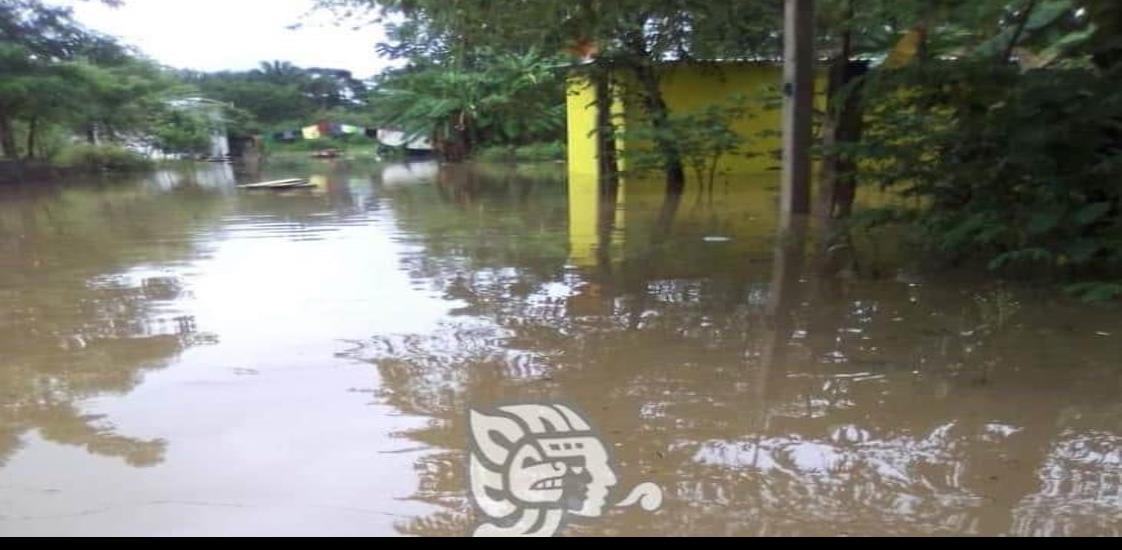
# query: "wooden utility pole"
{"type": "Point", "coordinates": [798, 105]}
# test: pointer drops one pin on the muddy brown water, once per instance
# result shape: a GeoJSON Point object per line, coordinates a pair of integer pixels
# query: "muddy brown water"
{"type": "Point", "coordinates": [180, 357]}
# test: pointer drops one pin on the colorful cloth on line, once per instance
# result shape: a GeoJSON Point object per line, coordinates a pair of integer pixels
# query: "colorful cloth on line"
{"type": "Point", "coordinates": [325, 129]}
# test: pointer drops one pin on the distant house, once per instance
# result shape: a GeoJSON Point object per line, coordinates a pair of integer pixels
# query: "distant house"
{"type": "Point", "coordinates": [399, 139]}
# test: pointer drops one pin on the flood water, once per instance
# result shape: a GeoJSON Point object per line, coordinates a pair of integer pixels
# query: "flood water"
{"type": "Point", "coordinates": [178, 357]}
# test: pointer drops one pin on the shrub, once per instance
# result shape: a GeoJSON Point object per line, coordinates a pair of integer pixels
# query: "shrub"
{"type": "Point", "coordinates": [102, 158]}
{"type": "Point", "coordinates": [536, 152]}
{"type": "Point", "coordinates": [1018, 169]}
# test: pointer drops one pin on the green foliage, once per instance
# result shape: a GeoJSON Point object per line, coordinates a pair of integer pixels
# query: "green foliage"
{"type": "Point", "coordinates": [451, 45]}
{"type": "Point", "coordinates": [703, 136]}
{"type": "Point", "coordinates": [49, 31]}
{"type": "Point", "coordinates": [1096, 291]}
{"type": "Point", "coordinates": [124, 99]}
{"type": "Point", "coordinates": [534, 152]}
{"type": "Point", "coordinates": [182, 131]}
{"type": "Point", "coordinates": [1022, 168]}
{"type": "Point", "coordinates": [102, 158]}
{"type": "Point", "coordinates": [60, 78]}
{"type": "Point", "coordinates": [502, 99]}
{"type": "Point", "coordinates": [280, 96]}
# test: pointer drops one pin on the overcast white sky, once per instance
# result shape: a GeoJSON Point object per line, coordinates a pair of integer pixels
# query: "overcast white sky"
{"type": "Point", "coordinates": [214, 35]}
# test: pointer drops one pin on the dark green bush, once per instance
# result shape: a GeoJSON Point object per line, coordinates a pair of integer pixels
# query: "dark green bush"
{"type": "Point", "coordinates": [537, 152]}
{"type": "Point", "coordinates": [102, 158]}
{"type": "Point", "coordinates": [1021, 169]}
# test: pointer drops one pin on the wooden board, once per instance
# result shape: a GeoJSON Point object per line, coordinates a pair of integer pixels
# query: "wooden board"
{"type": "Point", "coordinates": [277, 184]}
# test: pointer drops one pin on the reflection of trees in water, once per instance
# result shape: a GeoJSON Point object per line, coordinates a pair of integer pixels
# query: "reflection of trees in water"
{"type": "Point", "coordinates": [440, 477]}
{"type": "Point", "coordinates": [766, 399]}
{"type": "Point", "coordinates": [1082, 488]}
{"type": "Point", "coordinates": [867, 482]}
{"type": "Point", "coordinates": [75, 322]}
{"type": "Point", "coordinates": [468, 215]}
{"type": "Point", "coordinates": [85, 309]}
{"type": "Point", "coordinates": [104, 346]}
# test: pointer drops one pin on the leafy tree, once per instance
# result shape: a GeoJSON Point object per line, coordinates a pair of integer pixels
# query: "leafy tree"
{"type": "Point", "coordinates": [333, 88]}
{"type": "Point", "coordinates": [51, 32]}
{"type": "Point", "coordinates": [507, 99]}
{"type": "Point", "coordinates": [57, 73]}
{"type": "Point", "coordinates": [279, 94]}
{"type": "Point", "coordinates": [629, 36]}
{"type": "Point", "coordinates": [1011, 139]}
{"type": "Point", "coordinates": [182, 131]}
{"type": "Point", "coordinates": [268, 100]}
{"type": "Point", "coordinates": [704, 136]}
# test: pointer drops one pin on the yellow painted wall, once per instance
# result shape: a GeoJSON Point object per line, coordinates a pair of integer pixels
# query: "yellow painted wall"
{"type": "Point", "coordinates": [582, 124]}
{"type": "Point", "coordinates": [744, 206]}
{"type": "Point", "coordinates": [688, 87]}
{"type": "Point", "coordinates": [754, 181]}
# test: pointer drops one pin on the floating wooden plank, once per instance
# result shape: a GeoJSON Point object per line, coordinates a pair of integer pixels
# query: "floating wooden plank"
{"type": "Point", "coordinates": [276, 184]}
{"type": "Point", "coordinates": [283, 187]}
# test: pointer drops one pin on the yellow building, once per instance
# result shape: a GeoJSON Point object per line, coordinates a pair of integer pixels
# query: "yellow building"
{"type": "Point", "coordinates": [686, 88]}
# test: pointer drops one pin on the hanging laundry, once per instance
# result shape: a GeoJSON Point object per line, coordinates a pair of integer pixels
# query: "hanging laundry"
{"type": "Point", "coordinates": [325, 129]}
{"type": "Point", "coordinates": [349, 130]}
{"type": "Point", "coordinates": [372, 133]}
{"type": "Point", "coordinates": [335, 130]}
{"type": "Point", "coordinates": [392, 138]}
{"type": "Point", "coordinates": [312, 132]}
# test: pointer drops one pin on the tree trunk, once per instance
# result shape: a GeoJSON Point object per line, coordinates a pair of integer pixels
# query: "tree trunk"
{"type": "Point", "coordinates": [844, 124]}
{"type": "Point", "coordinates": [32, 129]}
{"type": "Point", "coordinates": [606, 135]}
{"type": "Point", "coordinates": [7, 137]}
{"type": "Point", "coordinates": [656, 108]}
{"type": "Point", "coordinates": [798, 106]}
{"type": "Point", "coordinates": [642, 65]}
{"type": "Point", "coordinates": [455, 144]}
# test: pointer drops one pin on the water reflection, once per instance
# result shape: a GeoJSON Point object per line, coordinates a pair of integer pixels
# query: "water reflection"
{"type": "Point", "coordinates": [81, 314]}
{"type": "Point", "coordinates": [769, 399]}
{"type": "Point", "coordinates": [176, 324]}
{"type": "Point", "coordinates": [303, 362]}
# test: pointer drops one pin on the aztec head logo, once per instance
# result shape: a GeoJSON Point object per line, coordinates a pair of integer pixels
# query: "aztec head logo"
{"type": "Point", "coordinates": [533, 465]}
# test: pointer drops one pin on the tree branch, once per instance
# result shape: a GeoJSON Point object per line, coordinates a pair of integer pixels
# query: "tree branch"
{"type": "Point", "coordinates": [1007, 55]}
